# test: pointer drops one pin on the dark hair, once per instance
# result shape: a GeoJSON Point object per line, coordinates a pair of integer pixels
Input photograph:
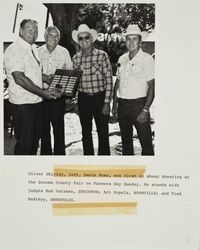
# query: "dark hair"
{"type": "Point", "coordinates": [23, 22]}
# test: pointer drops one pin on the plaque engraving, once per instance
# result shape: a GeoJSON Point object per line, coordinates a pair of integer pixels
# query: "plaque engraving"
{"type": "Point", "coordinates": [66, 81]}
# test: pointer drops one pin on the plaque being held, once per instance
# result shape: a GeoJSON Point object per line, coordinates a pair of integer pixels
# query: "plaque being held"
{"type": "Point", "coordinates": [65, 82]}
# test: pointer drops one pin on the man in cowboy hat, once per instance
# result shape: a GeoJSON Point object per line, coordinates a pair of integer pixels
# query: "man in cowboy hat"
{"type": "Point", "coordinates": [95, 89]}
{"type": "Point", "coordinates": [135, 87]}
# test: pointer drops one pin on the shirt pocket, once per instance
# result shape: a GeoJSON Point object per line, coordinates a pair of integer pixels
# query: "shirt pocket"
{"type": "Point", "coordinates": [59, 64]}
{"type": "Point", "coordinates": [137, 71]}
{"type": "Point", "coordinates": [96, 68]}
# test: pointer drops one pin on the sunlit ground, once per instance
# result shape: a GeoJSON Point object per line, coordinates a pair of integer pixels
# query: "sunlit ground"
{"type": "Point", "coordinates": [73, 136]}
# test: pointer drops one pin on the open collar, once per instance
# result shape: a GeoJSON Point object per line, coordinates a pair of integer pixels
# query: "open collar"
{"type": "Point", "coordinates": [92, 52]}
{"type": "Point", "coordinates": [24, 44]}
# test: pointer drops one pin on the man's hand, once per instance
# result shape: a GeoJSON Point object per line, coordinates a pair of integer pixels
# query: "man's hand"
{"type": "Point", "coordinates": [48, 95]}
{"type": "Point", "coordinates": [58, 92]}
{"type": "Point", "coordinates": [106, 109]}
{"type": "Point", "coordinates": [28, 84]}
{"type": "Point", "coordinates": [143, 117]}
{"type": "Point", "coordinates": [47, 78]}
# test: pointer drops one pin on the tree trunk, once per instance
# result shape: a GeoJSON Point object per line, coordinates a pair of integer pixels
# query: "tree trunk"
{"type": "Point", "coordinates": [64, 18]}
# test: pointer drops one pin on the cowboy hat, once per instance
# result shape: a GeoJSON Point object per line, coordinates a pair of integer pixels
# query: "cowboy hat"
{"type": "Point", "coordinates": [134, 29]}
{"type": "Point", "coordinates": [83, 28]}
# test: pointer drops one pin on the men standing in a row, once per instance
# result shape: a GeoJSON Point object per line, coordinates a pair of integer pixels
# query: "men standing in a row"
{"type": "Point", "coordinates": [135, 85]}
{"type": "Point", "coordinates": [24, 76]}
{"type": "Point", "coordinates": [53, 56]}
{"type": "Point", "coordinates": [95, 90]}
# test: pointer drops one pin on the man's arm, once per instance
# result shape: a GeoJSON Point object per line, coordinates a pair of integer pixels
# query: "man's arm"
{"type": "Point", "coordinates": [27, 84]}
{"type": "Point", "coordinates": [114, 107]}
{"type": "Point", "coordinates": [143, 116]}
{"type": "Point", "coordinates": [107, 71]}
{"type": "Point", "coordinates": [68, 61]}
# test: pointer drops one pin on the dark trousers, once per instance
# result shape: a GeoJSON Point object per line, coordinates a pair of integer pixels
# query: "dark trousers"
{"type": "Point", "coordinates": [27, 127]}
{"type": "Point", "coordinates": [128, 111]}
{"type": "Point", "coordinates": [53, 113]}
{"type": "Point", "coordinates": [91, 107]}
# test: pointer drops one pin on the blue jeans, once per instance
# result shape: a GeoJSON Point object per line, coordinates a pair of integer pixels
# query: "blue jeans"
{"type": "Point", "coordinates": [128, 111]}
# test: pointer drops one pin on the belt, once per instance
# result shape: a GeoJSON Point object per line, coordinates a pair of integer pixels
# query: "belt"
{"type": "Point", "coordinates": [92, 94]}
{"type": "Point", "coordinates": [137, 100]}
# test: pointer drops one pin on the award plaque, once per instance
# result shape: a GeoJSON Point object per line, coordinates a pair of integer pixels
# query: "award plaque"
{"type": "Point", "coordinates": [66, 81]}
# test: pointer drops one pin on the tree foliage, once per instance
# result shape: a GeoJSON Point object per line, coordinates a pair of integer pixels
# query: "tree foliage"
{"type": "Point", "coordinates": [111, 18]}
{"type": "Point", "coordinates": [108, 19]}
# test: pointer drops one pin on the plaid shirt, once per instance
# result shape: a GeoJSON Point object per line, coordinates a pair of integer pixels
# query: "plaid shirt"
{"type": "Point", "coordinates": [97, 73]}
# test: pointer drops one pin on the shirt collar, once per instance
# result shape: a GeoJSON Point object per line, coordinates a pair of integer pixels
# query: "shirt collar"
{"type": "Point", "coordinates": [24, 44]}
{"type": "Point", "coordinates": [137, 56]}
{"type": "Point", "coordinates": [54, 51]}
{"type": "Point", "coordinates": [92, 52]}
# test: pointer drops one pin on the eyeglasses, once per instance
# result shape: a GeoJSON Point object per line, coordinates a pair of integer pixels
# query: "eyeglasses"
{"type": "Point", "coordinates": [81, 38]}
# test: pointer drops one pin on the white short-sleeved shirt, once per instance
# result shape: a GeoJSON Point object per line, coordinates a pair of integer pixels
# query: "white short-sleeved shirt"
{"type": "Point", "coordinates": [134, 74]}
{"type": "Point", "coordinates": [19, 57]}
{"type": "Point", "coordinates": [59, 58]}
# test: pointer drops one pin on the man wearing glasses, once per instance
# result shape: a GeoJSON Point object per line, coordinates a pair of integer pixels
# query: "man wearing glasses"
{"type": "Point", "coordinates": [95, 89]}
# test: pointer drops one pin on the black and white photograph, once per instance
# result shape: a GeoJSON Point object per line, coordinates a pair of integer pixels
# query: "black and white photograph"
{"type": "Point", "coordinates": [99, 141]}
{"type": "Point", "coordinates": [79, 79]}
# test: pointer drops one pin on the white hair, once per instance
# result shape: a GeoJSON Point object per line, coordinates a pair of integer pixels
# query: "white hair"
{"type": "Point", "coordinates": [51, 28]}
